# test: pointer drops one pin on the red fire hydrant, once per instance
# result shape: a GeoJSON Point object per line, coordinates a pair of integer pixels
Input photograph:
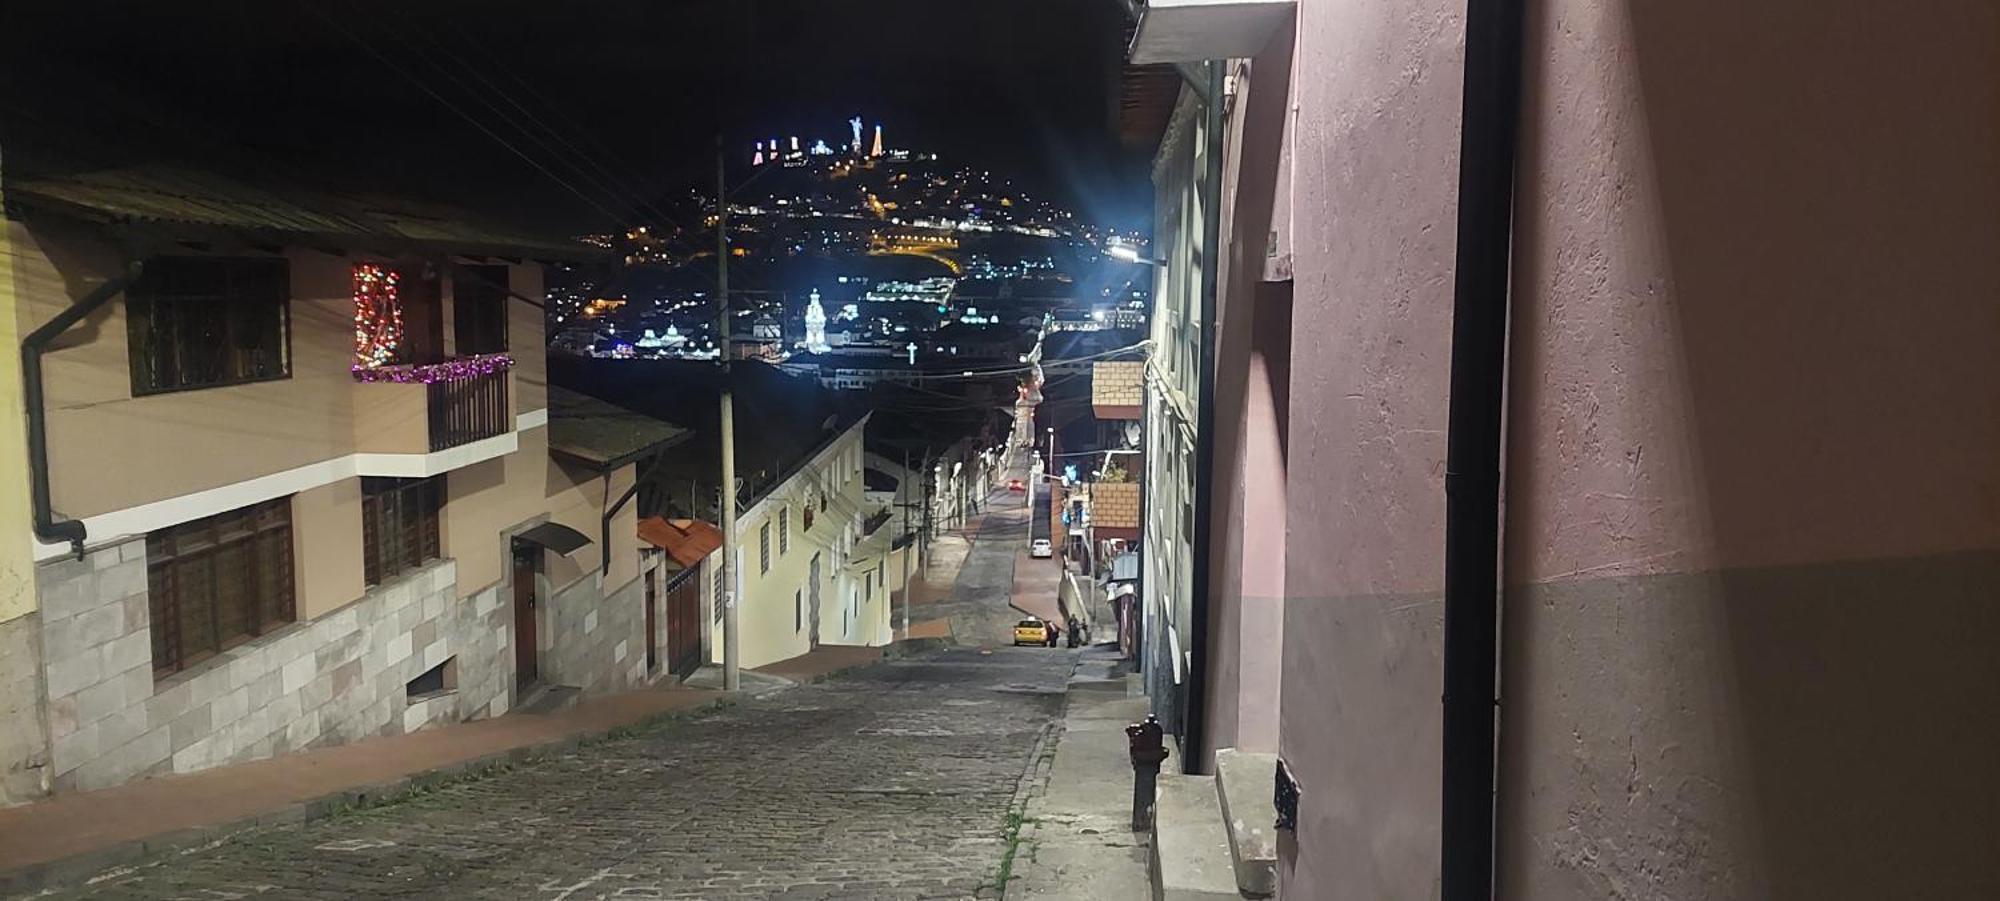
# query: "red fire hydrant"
{"type": "Point", "coordinates": [1147, 744]}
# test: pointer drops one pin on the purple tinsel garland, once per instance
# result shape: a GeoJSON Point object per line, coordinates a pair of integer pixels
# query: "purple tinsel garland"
{"type": "Point", "coordinates": [432, 373]}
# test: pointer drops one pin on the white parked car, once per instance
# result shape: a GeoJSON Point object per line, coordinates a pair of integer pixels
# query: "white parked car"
{"type": "Point", "coordinates": [1040, 547]}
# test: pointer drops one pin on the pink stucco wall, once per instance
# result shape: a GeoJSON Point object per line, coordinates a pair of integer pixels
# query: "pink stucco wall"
{"type": "Point", "coordinates": [1372, 205]}
{"type": "Point", "coordinates": [1753, 497]}
{"type": "Point", "coordinates": [1252, 340]}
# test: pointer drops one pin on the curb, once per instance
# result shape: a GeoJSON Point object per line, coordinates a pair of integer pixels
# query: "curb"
{"type": "Point", "coordinates": [92, 866]}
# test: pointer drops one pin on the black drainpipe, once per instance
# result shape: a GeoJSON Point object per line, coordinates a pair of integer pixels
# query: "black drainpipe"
{"type": "Point", "coordinates": [638, 479]}
{"type": "Point", "coordinates": [1195, 717]}
{"type": "Point", "coordinates": [1488, 133]}
{"type": "Point", "coordinates": [47, 527]}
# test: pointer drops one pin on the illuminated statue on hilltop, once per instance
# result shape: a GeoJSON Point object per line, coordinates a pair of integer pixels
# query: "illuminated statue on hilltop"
{"type": "Point", "coordinates": [855, 123]}
{"type": "Point", "coordinates": [816, 325]}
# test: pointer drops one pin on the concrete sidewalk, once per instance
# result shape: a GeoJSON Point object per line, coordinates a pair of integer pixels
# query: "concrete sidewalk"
{"type": "Point", "coordinates": [821, 662]}
{"type": "Point", "coordinates": [1076, 839]}
{"type": "Point", "coordinates": [70, 836]}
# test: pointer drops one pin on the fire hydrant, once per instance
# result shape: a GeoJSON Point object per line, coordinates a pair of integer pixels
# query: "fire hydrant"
{"type": "Point", "coordinates": [1147, 745]}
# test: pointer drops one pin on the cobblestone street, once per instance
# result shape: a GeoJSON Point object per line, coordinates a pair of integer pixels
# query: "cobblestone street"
{"type": "Point", "coordinates": [895, 781]}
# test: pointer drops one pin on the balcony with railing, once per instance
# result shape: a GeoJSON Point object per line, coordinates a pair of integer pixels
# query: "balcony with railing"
{"type": "Point", "coordinates": [875, 521]}
{"type": "Point", "coordinates": [428, 408]}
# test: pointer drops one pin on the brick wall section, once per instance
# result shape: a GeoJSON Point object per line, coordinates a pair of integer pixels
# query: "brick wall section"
{"type": "Point", "coordinates": [333, 680]}
{"type": "Point", "coordinates": [24, 737]}
{"type": "Point", "coordinates": [1114, 505]}
{"type": "Point", "coordinates": [1118, 384]}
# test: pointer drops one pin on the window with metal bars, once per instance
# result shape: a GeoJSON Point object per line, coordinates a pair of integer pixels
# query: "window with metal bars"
{"type": "Point", "coordinates": [764, 548]}
{"type": "Point", "coordinates": [399, 525]}
{"type": "Point", "coordinates": [479, 310]}
{"type": "Point", "coordinates": [217, 582]}
{"type": "Point", "coordinates": [202, 322]}
{"type": "Point", "coordinates": [785, 530]}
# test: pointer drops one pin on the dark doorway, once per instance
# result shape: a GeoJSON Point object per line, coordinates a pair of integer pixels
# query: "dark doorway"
{"type": "Point", "coordinates": [812, 592]}
{"type": "Point", "coordinates": [652, 622]}
{"type": "Point", "coordinates": [527, 658]}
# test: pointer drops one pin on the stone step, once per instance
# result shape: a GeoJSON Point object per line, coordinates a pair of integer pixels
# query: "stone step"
{"type": "Point", "coordinates": [1190, 847]}
{"type": "Point", "coordinates": [1244, 784]}
{"type": "Point", "coordinates": [546, 699]}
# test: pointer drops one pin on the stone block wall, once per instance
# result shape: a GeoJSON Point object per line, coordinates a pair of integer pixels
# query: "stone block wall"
{"type": "Point", "coordinates": [335, 679]}
{"type": "Point", "coordinates": [24, 735]}
{"type": "Point", "coordinates": [594, 642]}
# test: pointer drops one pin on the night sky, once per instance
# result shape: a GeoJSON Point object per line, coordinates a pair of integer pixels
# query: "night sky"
{"type": "Point", "coordinates": [617, 98]}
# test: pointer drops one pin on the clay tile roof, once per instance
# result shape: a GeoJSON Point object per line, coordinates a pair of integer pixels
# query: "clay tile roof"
{"type": "Point", "coordinates": [688, 541]}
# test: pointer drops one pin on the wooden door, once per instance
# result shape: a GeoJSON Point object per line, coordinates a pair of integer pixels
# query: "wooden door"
{"type": "Point", "coordinates": [812, 605]}
{"type": "Point", "coordinates": [684, 623]}
{"type": "Point", "coordinates": [652, 621]}
{"type": "Point", "coordinates": [526, 655]}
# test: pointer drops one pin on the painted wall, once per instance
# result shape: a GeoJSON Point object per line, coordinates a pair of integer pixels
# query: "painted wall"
{"type": "Point", "coordinates": [17, 581]}
{"type": "Point", "coordinates": [775, 614]}
{"type": "Point", "coordinates": [1753, 522]}
{"type": "Point", "coordinates": [1246, 582]}
{"type": "Point", "coordinates": [1373, 190]}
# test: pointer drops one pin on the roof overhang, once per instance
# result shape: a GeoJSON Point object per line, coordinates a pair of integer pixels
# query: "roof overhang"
{"type": "Point", "coordinates": [1192, 31]}
{"type": "Point", "coordinates": [555, 536]}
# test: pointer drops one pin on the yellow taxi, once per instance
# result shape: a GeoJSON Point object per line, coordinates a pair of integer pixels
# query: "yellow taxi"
{"type": "Point", "coordinates": [1031, 632]}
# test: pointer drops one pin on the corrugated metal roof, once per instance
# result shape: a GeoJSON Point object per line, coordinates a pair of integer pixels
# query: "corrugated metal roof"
{"type": "Point", "coordinates": [170, 197]}
{"type": "Point", "coordinates": [601, 434]}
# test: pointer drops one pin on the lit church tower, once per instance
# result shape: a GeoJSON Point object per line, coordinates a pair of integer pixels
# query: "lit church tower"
{"type": "Point", "coordinates": [816, 325]}
{"type": "Point", "coordinates": [877, 151]}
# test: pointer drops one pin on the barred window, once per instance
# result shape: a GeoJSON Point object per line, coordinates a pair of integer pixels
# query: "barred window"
{"type": "Point", "coordinates": [217, 582]}
{"type": "Point", "coordinates": [479, 310]}
{"type": "Point", "coordinates": [785, 530]}
{"type": "Point", "coordinates": [201, 322]}
{"type": "Point", "coordinates": [399, 525]}
{"type": "Point", "coordinates": [764, 548]}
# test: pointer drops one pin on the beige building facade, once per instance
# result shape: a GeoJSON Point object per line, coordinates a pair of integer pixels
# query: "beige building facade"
{"type": "Point", "coordinates": [286, 543]}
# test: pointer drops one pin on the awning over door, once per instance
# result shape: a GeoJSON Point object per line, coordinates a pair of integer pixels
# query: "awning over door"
{"type": "Point", "coordinates": [556, 537]}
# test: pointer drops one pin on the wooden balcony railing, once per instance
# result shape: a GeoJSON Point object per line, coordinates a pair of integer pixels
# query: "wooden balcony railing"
{"type": "Point", "coordinates": [468, 409]}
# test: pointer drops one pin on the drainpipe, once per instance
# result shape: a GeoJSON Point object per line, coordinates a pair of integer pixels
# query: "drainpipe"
{"type": "Point", "coordinates": [47, 527]}
{"type": "Point", "coordinates": [1195, 717]}
{"type": "Point", "coordinates": [638, 479]}
{"type": "Point", "coordinates": [1489, 128]}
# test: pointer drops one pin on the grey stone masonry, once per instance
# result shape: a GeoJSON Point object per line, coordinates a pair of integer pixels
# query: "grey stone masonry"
{"type": "Point", "coordinates": [24, 735]}
{"type": "Point", "coordinates": [593, 642]}
{"type": "Point", "coordinates": [335, 679]}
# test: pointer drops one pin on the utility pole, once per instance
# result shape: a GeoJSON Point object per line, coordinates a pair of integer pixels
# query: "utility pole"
{"type": "Point", "coordinates": [924, 531]}
{"type": "Point", "coordinates": [731, 577]}
{"type": "Point", "coordinates": [903, 504]}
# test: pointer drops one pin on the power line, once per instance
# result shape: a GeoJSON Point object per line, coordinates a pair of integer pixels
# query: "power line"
{"type": "Point", "coordinates": [468, 117]}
